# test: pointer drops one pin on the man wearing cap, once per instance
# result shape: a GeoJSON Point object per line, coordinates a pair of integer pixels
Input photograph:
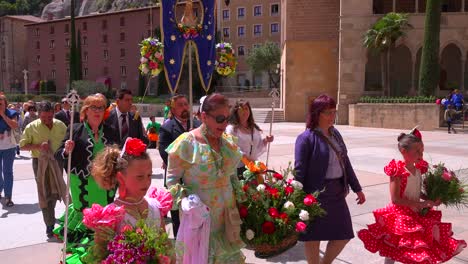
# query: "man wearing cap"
{"type": "Point", "coordinates": [64, 115]}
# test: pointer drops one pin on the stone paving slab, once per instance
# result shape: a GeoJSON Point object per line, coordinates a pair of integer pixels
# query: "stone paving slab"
{"type": "Point", "coordinates": [23, 233]}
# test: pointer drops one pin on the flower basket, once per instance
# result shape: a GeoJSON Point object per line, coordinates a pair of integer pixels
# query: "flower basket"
{"type": "Point", "coordinates": [274, 210]}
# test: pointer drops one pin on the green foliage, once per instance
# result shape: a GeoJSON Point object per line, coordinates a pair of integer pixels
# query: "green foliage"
{"type": "Point", "coordinates": [397, 100]}
{"type": "Point", "coordinates": [149, 100]}
{"type": "Point", "coordinates": [429, 71]}
{"type": "Point", "coordinates": [266, 58]}
{"type": "Point", "coordinates": [22, 7]}
{"type": "Point", "coordinates": [386, 31]}
{"type": "Point", "coordinates": [35, 98]}
{"type": "Point", "coordinates": [85, 88]}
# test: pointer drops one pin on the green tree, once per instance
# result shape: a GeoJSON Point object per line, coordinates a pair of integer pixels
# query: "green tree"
{"type": "Point", "coordinates": [7, 8]}
{"type": "Point", "coordinates": [381, 38]}
{"type": "Point", "coordinates": [266, 58]}
{"type": "Point", "coordinates": [430, 68]}
{"type": "Point", "coordinates": [22, 7]}
{"type": "Point", "coordinates": [84, 87]}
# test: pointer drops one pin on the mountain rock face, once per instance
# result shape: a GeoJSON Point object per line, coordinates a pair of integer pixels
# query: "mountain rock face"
{"type": "Point", "coordinates": [61, 8]}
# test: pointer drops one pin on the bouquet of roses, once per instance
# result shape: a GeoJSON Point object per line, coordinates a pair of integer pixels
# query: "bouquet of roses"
{"type": "Point", "coordinates": [441, 184]}
{"type": "Point", "coordinates": [141, 244]}
{"type": "Point", "coordinates": [152, 58]}
{"type": "Point", "coordinates": [273, 209]}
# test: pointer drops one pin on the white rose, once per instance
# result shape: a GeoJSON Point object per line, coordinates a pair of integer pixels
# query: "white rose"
{"type": "Point", "coordinates": [288, 205]}
{"type": "Point", "coordinates": [249, 234]}
{"type": "Point", "coordinates": [261, 188]}
{"type": "Point", "coordinates": [297, 185]}
{"type": "Point", "coordinates": [304, 215]}
{"type": "Point", "coordinates": [143, 60]}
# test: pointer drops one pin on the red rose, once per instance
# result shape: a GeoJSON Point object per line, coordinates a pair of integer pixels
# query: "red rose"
{"type": "Point", "coordinates": [300, 227]}
{"type": "Point", "coordinates": [288, 190]}
{"type": "Point", "coordinates": [461, 190]}
{"type": "Point", "coordinates": [134, 147]}
{"type": "Point", "coordinates": [422, 166]}
{"type": "Point", "coordinates": [309, 200]}
{"type": "Point", "coordinates": [273, 192]}
{"type": "Point", "coordinates": [243, 212]}
{"type": "Point", "coordinates": [284, 217]}
{"type": "Point", "coordinates": [273, 212]}
{"type": "Point", "coordinates": [278, 176]}
{"type": "Point", "coordinates": [153, 65]}
{"type": "Point", "coordinates": [447, 176]}
{"type": "Point", "coordinates": [268, 227]}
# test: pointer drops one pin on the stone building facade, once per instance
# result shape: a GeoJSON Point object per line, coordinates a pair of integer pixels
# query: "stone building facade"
{"type": "Point", "coordinates": [248, 24]}
{"type": "Point", "coordinates": [323, 51]}
{"type": "Point", "coordinates": [13, 55]}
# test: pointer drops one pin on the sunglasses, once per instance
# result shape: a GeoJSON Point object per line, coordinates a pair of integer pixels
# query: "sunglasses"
{"type": "Point", "coordinates": [97, 108]}
{"type": "Point", "coordinates": [220, 119]}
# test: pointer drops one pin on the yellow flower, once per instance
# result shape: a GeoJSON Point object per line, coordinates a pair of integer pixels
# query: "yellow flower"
{"type": "Point", "coordinates": [155, 72]}
{"type": "Point", "coordinates": [223, 59]}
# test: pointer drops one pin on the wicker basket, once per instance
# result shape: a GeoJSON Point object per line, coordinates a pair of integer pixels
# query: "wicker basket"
{"type": "Point", "coordinates": [266, 250]}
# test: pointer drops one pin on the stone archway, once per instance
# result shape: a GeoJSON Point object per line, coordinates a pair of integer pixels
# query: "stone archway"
{"type": "Point", "coordinates": [450, 68]}
{"type": "Point", "coordinates": [373, 77]}
{"type": "Point", "coordinates": [401, 64]}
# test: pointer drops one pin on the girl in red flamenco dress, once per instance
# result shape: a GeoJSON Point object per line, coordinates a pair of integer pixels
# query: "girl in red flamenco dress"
{"type": "Point", "coordinates": [401, 233]}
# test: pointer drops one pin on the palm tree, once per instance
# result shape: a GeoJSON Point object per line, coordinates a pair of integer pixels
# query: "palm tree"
{"type": "Point", "coordinates": [381, 38]}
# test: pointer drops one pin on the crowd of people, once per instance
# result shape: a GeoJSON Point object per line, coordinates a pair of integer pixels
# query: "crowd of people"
{"type": "Point", "coordinates": [203, 158]}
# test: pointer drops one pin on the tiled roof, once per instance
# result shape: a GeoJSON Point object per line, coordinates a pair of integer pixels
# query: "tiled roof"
{"type": "Point", "coordinates": [27, 18]}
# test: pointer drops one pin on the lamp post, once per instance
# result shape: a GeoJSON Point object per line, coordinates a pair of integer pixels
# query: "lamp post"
{"type": "Point", "coordinates": [25, 72]}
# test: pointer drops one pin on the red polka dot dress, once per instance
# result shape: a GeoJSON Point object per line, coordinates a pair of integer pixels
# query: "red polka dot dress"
{"type": "Point", "coordinates": [405, 235]}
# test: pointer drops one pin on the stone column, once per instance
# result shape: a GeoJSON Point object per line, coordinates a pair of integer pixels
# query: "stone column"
{"type": "Point", "coordinates": [394, 5]}
{"type": "Point", "coordinates": [416, 6]}
{"type": "Point", "coordinates": [462, 6]}
{"type": "Point", "coordinates": [413, 89]}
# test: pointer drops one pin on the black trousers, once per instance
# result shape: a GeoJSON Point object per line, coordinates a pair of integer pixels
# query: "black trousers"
{"type": "Point", "coordinates": [175, 221]}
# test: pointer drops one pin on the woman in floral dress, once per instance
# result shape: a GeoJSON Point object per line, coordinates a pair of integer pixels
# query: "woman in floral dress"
{"type": "Point", "coordinates": [204, 162]}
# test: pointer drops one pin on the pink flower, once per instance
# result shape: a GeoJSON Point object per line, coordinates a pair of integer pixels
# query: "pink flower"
{"type": "Point", "coordinates": [300, 227]}
{"type": "Point", "coordinates": [98, 216]}
{"type": "Point", "coordinates": [163, 197]}
{"type": "Point", "coordinates": [162, 259]}
{"type": "Point", "coordinates": [447, 176]}
{"type": "Point", "coordinates": [126, 228]}
{"type": "Point", "coordinates": [309, 200]}
{"type": "Point", "coordinates": [289, 181]}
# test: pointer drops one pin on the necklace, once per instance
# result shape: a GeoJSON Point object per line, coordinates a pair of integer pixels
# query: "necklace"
{"type": "Point", "coordinates": [130, 203]}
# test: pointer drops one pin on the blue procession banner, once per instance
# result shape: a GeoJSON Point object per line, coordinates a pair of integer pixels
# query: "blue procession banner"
{"type": "Point", "coordinates": [176, 36]}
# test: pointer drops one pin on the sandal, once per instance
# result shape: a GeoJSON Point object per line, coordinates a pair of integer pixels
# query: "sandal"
{"type": "Point", "coordinates": [9, 203]}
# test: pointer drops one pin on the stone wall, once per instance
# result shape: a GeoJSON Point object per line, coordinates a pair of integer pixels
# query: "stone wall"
{"type": "Point", "coordinates": [397, 116]}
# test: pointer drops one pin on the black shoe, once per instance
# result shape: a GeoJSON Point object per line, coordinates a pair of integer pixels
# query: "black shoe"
{"type": "Point", "coordinates": [9, 203]}
{"type": "Point", "coordinates": [50, 231]}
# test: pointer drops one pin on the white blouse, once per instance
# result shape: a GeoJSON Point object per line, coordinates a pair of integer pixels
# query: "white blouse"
{"type": "Point", "coordinates": [250, 144]}
{"type": "Point", "coordinates": [413, 186]}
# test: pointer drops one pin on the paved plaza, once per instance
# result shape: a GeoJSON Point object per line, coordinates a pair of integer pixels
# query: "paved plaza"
{"type": "Point", "coordinates": [22, 230]}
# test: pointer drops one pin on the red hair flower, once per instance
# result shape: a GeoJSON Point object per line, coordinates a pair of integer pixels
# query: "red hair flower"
{"type": "Point", "coordinates": [268, 227]}
{"type": "Point", "coordinates": [134, 147]}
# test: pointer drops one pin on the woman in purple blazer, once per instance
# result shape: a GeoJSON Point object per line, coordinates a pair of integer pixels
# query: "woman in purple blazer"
{"type": "Point", "coordinates": [322, 163]}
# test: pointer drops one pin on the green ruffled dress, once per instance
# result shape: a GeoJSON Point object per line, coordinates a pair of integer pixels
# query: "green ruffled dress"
{"type": "Point", "coordinates": [84, 193]}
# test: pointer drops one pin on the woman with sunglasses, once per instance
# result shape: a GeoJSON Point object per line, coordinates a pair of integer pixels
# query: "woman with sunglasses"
{"type": "Point", "coordinates": [249, 135]}
{"type": "Point", "coordinates": [205, 160]}
{"type": "Point", "coordinates": [89, 138]}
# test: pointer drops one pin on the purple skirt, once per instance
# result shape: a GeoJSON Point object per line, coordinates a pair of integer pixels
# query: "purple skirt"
{"type": "Point", "coordinates": [336, 224]}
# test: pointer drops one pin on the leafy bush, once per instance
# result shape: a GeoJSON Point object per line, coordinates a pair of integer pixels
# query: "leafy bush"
{"type": "Point", "coordinates": [85, 88]}
{"type": "Point", "coordinates": [397, 100]}
{"type": "Point", "coordinates": [148, 100]}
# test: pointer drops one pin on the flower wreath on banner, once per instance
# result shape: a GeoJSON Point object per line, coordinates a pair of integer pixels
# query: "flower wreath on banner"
{"type": "Point", "coordinates": [190, 31]}
{"type": "Point", "coordinates": [152, 58]}
{"type": "Point", "coordinates": [226, 61]}
{"type": "Point", "coordinates": [273, 209]}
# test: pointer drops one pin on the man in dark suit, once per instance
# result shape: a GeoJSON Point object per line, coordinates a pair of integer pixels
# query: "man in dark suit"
{"type": "Point", "coordinates": [64, 115]}
{"type": "Point", "coordinates": [122, 120]}
{"type": "Point", "coordinates": [178, 124]}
